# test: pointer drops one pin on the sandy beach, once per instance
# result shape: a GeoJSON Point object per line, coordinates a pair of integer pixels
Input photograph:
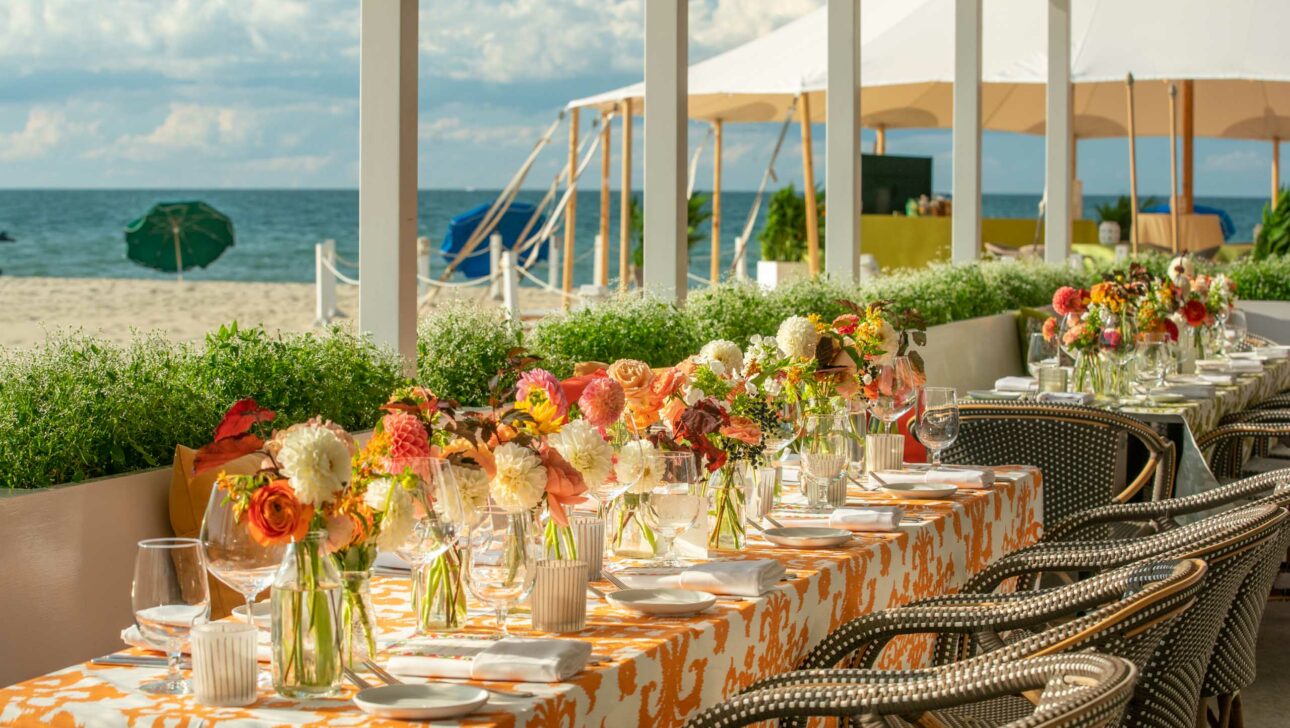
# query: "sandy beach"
{"type": "Point", "coordinates": [114, 308]}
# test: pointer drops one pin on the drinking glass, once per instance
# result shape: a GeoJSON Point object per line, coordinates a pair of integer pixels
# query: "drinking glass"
{"type": "Point", "coordinates": [233, 555]}
{"type": "Point", "coordinates": [1152, 360]}
{"type": "Point", "coordinates": [1040, 352]}
{"type": "Point", "coordinates": [169, 596]}
{"type": "Point", "coordinates": [504, 546]}
{"type": "Point", "coordinates": [938, 420]}
{"type": "Point", "coordinates": [437, 507]}
{"type": "Point", "coordinates": [824, 450]}
{"type": "Point", "coordinates": [1235, 329]}
{"type": "Point", "coordinates": [896, 392]}
{"type": "Point", "coordinates": [674, 505]}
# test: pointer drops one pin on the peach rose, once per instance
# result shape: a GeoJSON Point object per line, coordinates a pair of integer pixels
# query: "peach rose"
{"type": "Point", "coordinates": [636, 379]}
{"type": "Point", "coordinates": [275, 516]}
{"type": "Point", "coordinates": [564, 485]}
{"type": "Point", "coordinates": [743, 429]}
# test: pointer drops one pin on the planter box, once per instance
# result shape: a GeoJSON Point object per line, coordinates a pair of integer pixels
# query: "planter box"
{"type": "Point", "coordinates": [772, 273]}
{"type": "Point", "coordinates": [973, 353]}
{"type": "Point", "coordinates": [68, 565]}
{"type": "Point", "coordinates": [1270, 319]}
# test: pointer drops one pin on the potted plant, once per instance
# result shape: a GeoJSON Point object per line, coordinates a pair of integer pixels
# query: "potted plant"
{"type": "Point", "coordinates": [783, 238]}
{"type": "Point", "coordinates": [696, 213]}
{"type": "Point", "coordinates": [1273, 237]}
{"type": "Point", "coordinates": [1116, 220]}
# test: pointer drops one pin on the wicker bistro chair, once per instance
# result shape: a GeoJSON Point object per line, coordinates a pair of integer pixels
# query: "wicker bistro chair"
{"type": "Point", "coordinates": [1226, 444]}
{"type": "Point", "coordinates": [1076, 448]}
{"type": "Point", "coordinates": [1074, 691]}
{"type": "Point", "coordinates": [1233, 544]}
{"type": "Point", "coordinates": [1124, 612]}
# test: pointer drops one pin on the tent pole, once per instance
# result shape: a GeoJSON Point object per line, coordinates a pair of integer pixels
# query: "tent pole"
{"type": "Point", "coordinates": [602, 242]}
{"type": "Point", "coordinates": [1276, 171]}
{"type": "Point", "coordinates": [715, 268]}
{"type": "Point", "coordinates": [1188, 147]}
{"type": "Point", "coordinates": [808, 188]}
{"type": "Point", "coordinates": [1133, 168]}
{"type": "Point", "coordinates": [880, 140]}
{"type": "Point", "coordinates": [571, 211]}
{"type": "Point", "coordinates": [625, 201]}
{"type": "Point", "coordinates": [1173, 167]}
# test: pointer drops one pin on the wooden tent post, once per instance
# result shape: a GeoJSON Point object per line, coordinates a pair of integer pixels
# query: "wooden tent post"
{"type": "Point", "coordinates": [1188, 202]}
{"type": "Point", "coordinates": [880, 140]}
{"type": "Point", "coordinates": [808, 185]}
{"type": "Point", "coordinates": [1133, 167]}
{"type": "Point", "coordinates": [602, 241]}
{"type": "Point", "coordinates": [715, 268]}
{"type": "Point", "coordinates": [1276, 171]}
{"type": "Point", "coordinates": [625, 201]}
{"type": "Point", "coordinates": [1173, 167]}
{"type": "Point", "coordinates": [571, 209]}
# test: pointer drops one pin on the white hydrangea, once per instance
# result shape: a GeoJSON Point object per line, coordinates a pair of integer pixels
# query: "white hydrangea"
{"type": "Point", "coordinates": [521, 478]}
{"type": "Point", "coordinates": [316, 462]}
{"type": "Point", "coordinates": [582, 446]}
{"type": "Point", "coordinates": [725, 352]}
{"type": "Point", "coordinates": [394, 503]}
{"type": "Point", "coordinates": [640, 465]}
{"type": "Point", "coordinates": [797, 337]}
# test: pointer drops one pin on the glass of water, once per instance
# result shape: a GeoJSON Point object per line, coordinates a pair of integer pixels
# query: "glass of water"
{"type": "Point", "coordinates": [1235, 329]}
{"type": "Point", "coordinates": [1153, 359]}
{"type": "Point", "coordinates": [169, 596]}
{"type": "Point", "coordinates": [673, 505]}
{"type": "Point", "coordinates": [938, 420]}
{"type": "Point", "coordinates": [825, 451]}
{"type": "Point", "coordinates": [1040, 353]}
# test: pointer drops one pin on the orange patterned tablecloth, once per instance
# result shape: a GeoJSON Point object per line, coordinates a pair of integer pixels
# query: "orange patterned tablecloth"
{"type": "Point", "coordinates": [653, 672]}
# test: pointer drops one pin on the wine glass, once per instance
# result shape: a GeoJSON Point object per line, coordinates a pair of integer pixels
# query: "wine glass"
{"type": "Point", "coordinates": [674, 504]}
{"type": "Point", "coordinates": [501, 561]}
{"type": "Point", "coordinates": [232, 553]}
{"type": "Point", "coordinates": [896, 392]}
{"type": "Point", "coordinates": [824, 451]}
{"type": "Point", "coordinates": [1153, 359]}
{"type": "Point", "coordinates": [938, 420]}
{"type": "Point", "coordinates": [1040, 353]}
{"type": "Point", "coordinates": [437, 506]}
{"type": "Point", "coordinates": [169, 596]}
{"type": "Point", "coordinates": [1235, 329]}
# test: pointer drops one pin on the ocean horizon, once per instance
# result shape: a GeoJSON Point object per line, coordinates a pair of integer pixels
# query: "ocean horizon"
{"type": "Point", "coordinates": [78, 233]}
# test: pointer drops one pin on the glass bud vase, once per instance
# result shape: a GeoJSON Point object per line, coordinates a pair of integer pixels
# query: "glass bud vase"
{"type": "Point", "coordinates": [306, 604]}
{"type": "Point", "coordinates": [439, 594]}
{"type": "Point", "coordinates": [630, 537]}
{"type": "Point", "coordinates": [1090, 374]}
{"type": "Point", "coordinates": [357, 618]}
{"type": "Point", "coordinates": [728, 492]}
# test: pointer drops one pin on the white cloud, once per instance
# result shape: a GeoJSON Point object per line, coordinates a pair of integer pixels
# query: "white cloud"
{"type": "Point", "coordinates": [206, 129]}
{"type": "Point", "coordinates": [44, 129]}
{"type": "Point", "coordinates": [723, 24]}
{"type": "Point", "coordinates": [457, 129]}
{"type": "Point", "coordinates": [1236, 161]}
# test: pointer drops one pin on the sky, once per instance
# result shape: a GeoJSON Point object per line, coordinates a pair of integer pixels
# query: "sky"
{"type": "Point", "coordinates": [264, 93]}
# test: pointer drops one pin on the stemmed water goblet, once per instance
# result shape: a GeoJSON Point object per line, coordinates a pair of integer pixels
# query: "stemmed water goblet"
{"type": "Point", "coordinates": [169, 595]}
{"type": "Point", "coordinates": [1040, 353]}
{"type": "Point", "coordinates": [938, 420]}
{"type": "Point", "coordinates": [825, 449]}
{"type": "Point", "coordinates": [504, 546]}
{"type": "Point", "coordinates": [674, 503]}
{"type": "Point", "coordinates": [896, 391]}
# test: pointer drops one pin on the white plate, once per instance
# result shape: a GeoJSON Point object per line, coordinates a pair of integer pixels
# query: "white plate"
{"type": "Point", "coordinates": [1166, 397]}
{"type": "Point", "coordinates": [421, 702]}
{"type": "Point", "coordinates": [807, 537]}
{"type": "Point", "coordinates": [920, 490]}
{"type": "Point", "coordinates": [663, 602]}
{"type": "Point", "coordinates": [261, 612]}
{"type": "Point", "coordinates": [994, 394]}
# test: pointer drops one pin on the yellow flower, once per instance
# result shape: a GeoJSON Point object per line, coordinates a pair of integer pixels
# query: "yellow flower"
{"type": "Point", "coordinates": [545, 413]}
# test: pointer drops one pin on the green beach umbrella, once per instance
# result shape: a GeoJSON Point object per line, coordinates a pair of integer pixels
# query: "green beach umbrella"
{"type": "Point", "coordinates": [177, 236]}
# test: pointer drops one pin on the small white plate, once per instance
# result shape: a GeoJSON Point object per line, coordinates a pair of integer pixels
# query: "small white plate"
{"type": "Point", "coordinates": [421, 702]}
{"type": "Point", "coordinates": [261, 612]}
{"type": "Point", "coordinates": [662, 602]}
{"type": "Point", "coordinates": [1166, 397]}
{"type": "Point", "coordinates": [807, 537]}
{"type": "Point", "coordinates": [920, 490]}
{"type": "Point", "coordinates": [994, 394]}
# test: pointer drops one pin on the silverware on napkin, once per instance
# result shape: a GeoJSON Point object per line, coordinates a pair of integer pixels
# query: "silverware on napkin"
{"type": "Point", "coordinates": [127, 660]}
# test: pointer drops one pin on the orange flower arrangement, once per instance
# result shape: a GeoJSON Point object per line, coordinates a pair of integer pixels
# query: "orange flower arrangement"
{"type": "Point", "coordinates": [275, 516]}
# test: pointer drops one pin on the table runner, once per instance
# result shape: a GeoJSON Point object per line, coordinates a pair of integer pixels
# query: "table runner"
{"type": "Point", "coordinates": [651, 671]}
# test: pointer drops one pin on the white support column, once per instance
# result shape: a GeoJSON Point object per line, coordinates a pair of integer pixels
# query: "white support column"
{"type": "Point", "coordinates": [387, 177]}
{"type": "Point", "coordinates": [965, 226]}
{"type": "Point", "coordinates": [423, 265]}
{"type": "Point", "coordinates": [324, 282]}
{"type": "Point", "coordinates": [842, 163]}
{"type": "Point", "coordinates": [1057, 135]}
{"type": "Point", "coordinates": [666, 59]}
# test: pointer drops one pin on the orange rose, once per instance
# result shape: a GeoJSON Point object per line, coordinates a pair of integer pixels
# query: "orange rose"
{"type": "Point", "coordinates": [275, 516]}
{"type": "Point", "coordinates": [564, 485]}
{"type": "Point", "coordinates": [743, 429]}
{"type": "Point", "coordinates": [636, 378]}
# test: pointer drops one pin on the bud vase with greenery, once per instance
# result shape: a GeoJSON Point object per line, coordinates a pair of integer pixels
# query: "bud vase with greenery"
{"type": "Point", "coordinates": [306, 603]}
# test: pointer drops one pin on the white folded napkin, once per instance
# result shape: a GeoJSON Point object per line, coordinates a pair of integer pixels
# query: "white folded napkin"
{"type": "Point", "coordinates": [133, 637]}
{"type": "Point", "coordinates": [1218, 379]}
{"type": "Point", "coordinates": [879, 518]}
{"type": "Point", "coordinates": [1229, 366]}
{"type": "Point", "coordinates": [962, 477]}
{"type": "Point", "coordinates": [513, 659]}
{"type": "Point", "coordinates": [1273, 352]}
{"type": "Point", "coordinates": [1016, 384]}
{"type": "Point", "coordinates": [390, 560]}
{"type": "Point", "coordinates": [1190, 390]}
{"type": "Point", "coordinates": [743, 578]}
{"type": "Point", "coordinates": [1065, 397]}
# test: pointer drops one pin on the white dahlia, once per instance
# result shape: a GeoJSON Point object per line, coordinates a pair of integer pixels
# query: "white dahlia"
{"type": "Point", "coordinates": [890, 343]}
{"type": "Point", "coordinates": [521, 477]}
{"type": "Point", "coordinates": [797, 337]}
{"type": "Point", "coordinates": [639, 464]}
{"type": "Point", "coordinates": [316, 462]}
{"type": "Point", "coordinates": [397, 519]}
{"type": "Point", "coordinates": [726, 352]}
{"type": "Point", "coordinates": [472, 485]}
{"type": "Point", "coordinates": [581, 446]}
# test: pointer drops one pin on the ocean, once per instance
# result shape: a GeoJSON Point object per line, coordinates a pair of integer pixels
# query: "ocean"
{"type": "Point", "coordinates": [78, 233]}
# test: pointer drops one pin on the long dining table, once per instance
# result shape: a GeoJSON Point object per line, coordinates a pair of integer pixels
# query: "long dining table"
{"type": "Point", "coordinates": [644, 670]}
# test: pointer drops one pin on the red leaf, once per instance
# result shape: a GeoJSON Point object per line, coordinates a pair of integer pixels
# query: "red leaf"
{"type": "Point", "coordinates": [225, 450]}
{"type": "Point", "coordinates": [241, 417]}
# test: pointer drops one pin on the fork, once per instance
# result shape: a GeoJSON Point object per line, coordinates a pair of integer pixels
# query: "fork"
{"type": "Point", "coordinates": [389, 679]}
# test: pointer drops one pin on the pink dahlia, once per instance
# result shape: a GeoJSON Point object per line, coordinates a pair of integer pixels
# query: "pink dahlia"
{"type": "Point", "coordinates": [602, 402]}
{"type": "Point", "coordinates": [409, 443]}
{"type": "Point", "coordinates": [1067, 300]}
{"type": "Point", "coordinates": [541, 379]}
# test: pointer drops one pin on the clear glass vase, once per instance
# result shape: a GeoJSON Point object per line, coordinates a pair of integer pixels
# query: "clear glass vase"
{"type": "Point", "coordinates": [629, 536]}
{"type": "Point", "coordinates": [357, 617]}
{"type": "Point", "coordinates": [728, 493]}
{"type": "Point", "coordinates": [306, 603]}
{"type": "Point", "coordinates": [1090, 373]}
{"type": "Point", "coordinates": [439, 594]}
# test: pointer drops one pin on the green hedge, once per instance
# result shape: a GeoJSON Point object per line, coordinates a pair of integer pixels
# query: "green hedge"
{"type": "Point", "coordinates": [78, 407]}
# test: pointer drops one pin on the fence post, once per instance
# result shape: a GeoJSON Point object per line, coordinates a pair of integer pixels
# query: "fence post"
{"type": "Point", "coordinates": [601, 265]}
{"type": "Point", "coordinates": [510, 286]}
{"type": "Point", "coordinates": [423, 266]}
{"type": "Point", "coordinates": [553, 269]}
{"type": "Point", "coordinates": [494, 266]}
{"type": "Point", "coordinates": [741, 270]}
{"type": "Point", "coordinates": [324, 282]}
